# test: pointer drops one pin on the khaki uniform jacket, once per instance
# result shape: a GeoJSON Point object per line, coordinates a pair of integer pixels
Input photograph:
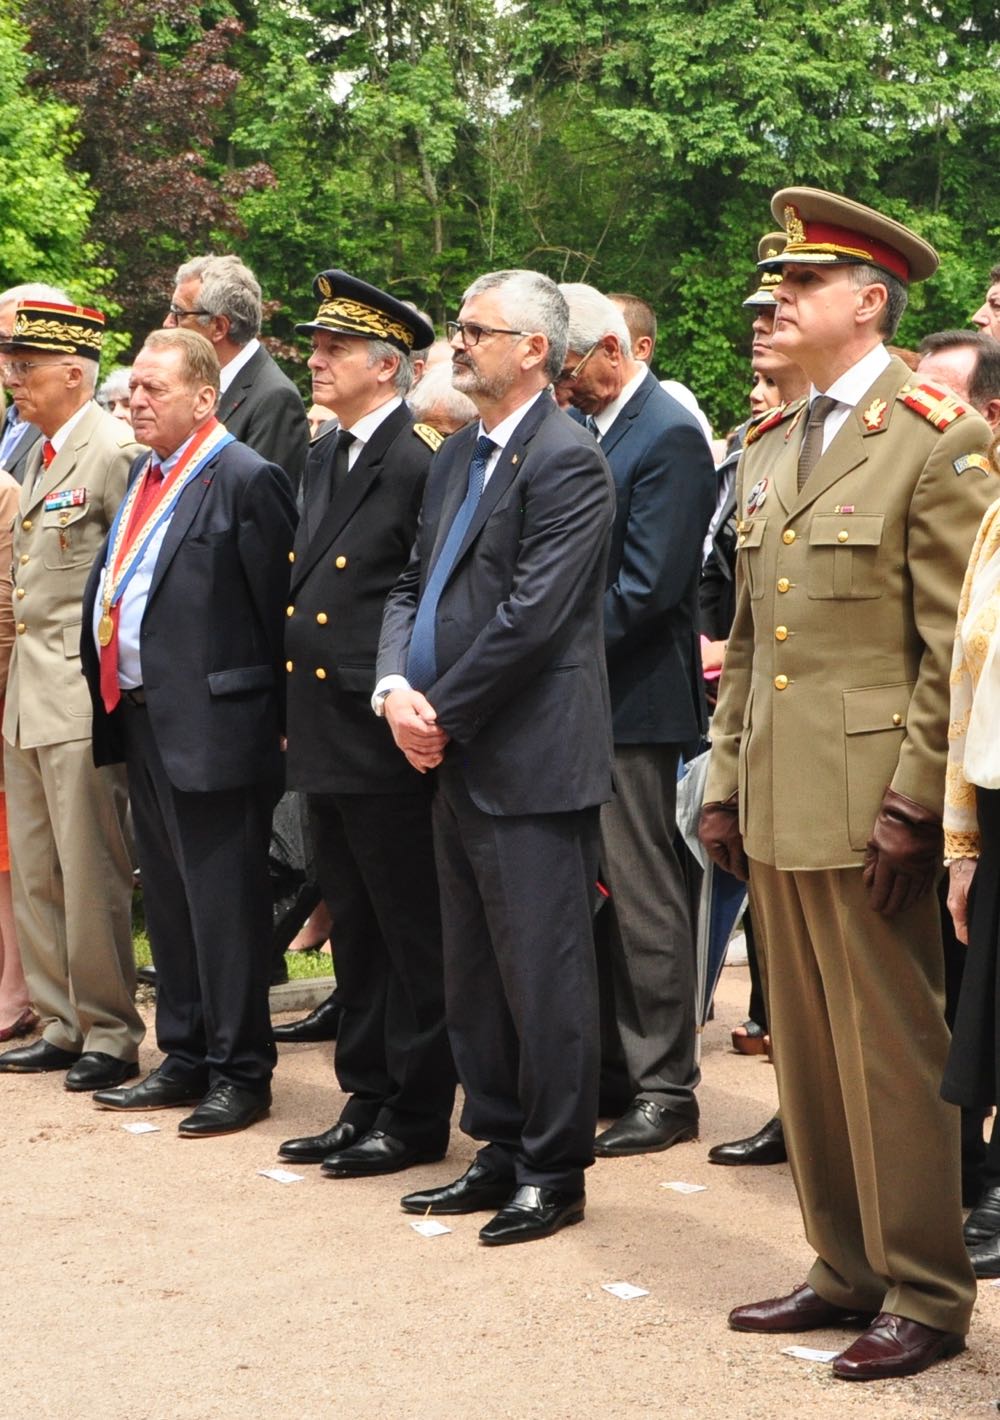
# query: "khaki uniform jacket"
{"type": "Point", "coordinates": [836, 675]}
{"type": "Point", "coordinates": [47, 697]}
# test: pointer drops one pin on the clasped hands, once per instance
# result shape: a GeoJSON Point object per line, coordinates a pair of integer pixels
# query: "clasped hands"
{"type": "Point", "coordinates": [413, 722]}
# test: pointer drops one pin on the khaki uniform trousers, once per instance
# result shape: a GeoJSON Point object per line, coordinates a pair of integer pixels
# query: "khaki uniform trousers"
{"type": "Point", "coordinates": [856, 1006]}
{"type": "Point", "coordinates": [71, 875]}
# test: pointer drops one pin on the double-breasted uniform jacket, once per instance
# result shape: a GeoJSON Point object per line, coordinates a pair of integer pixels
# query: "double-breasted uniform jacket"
{"type": "Point", "coordinates": [54, 548]}
{"type": "Point", "coordinates": [836, 676]}
{"type": "Point", "coordinates": [348, 554]}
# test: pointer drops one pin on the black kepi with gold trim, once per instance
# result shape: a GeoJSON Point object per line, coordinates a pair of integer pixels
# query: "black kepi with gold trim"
{"type": "Point", "coordinates": [768, 248]}
{"type": "Point", "coordinates": [826, 230]}
{"type": "Point", "coordinates": [349, 306]}
{"type": "Point", "coordinates": [64, 330]}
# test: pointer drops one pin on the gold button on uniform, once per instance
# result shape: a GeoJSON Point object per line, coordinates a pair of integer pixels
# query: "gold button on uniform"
{"type": "Point", "coordinates": [289, 665]}
{"type": "Point", "coordinates": [783, 584]}
{"type": "Point", "coordinates": [289, 610]}
{"type": "Point", "coordinates": [322, 618]}
{"type": "Point", "coordinates": [843, 535]}
{"type": "Point", "coordinates": [291, 557]}
{"type": "Point", "coordinates": [19, 593]}
{"type": "Point", "coordinates": [24, 558]}
{"type": "Point", "coordinates": [781, 682]}
{"type": "Point", "coordinates": [781, 633]}
{"type": "Point", "coordinates": [897, 719]}
{"type": "Point", "coordinates": [21, 628]}
{"type": "Point", "coordinates": [27, 525]}
{"type": "Point", "coordinates": [741, 539]}
{"type": "Point", "coordinates": [788, 535]}
{"type": "Point", "coordinates": [340, 563]}
{"type": "Point", "coordinates": [64, 519]}
{"type": "Point", "coordinates": [320, 673]}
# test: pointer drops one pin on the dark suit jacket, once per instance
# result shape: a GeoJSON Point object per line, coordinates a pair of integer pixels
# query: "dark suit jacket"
{"type": "Point", "coordinates": [264, 410]}
{"type": "Point", "coordinates": [335, 743]}
{"type": "Point", "coordinates": [212, 629]}
{"type": "Point", "coordinates": [522, 688]}
{"type": "Point", "coordinates": [665, 490]}
{"type": "Point", "coordinates": [17, 460]}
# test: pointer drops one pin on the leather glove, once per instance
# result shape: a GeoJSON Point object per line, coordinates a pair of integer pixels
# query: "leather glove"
{"type": "Point", "coordinates": [903, 855]}
{"type": "Point", "coordinates": [719, 834]}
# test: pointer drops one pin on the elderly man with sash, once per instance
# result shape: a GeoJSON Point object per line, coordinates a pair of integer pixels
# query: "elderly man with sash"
{"type": "Point", "coordinates": [182, 619]}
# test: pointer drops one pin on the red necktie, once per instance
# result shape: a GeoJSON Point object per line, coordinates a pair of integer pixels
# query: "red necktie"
{"type": "Point", "coordinates": [148, 494]}
{"type": "Point", "coordinates": [48, 452]}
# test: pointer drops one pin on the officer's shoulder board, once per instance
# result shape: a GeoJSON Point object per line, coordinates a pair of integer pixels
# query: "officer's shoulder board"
{"type": "Point", "coordinates": [430, 436]}
{"type": "Point", "coordinates": [937, 405]}
{"type": "Point", "coordinates": [772, 420]}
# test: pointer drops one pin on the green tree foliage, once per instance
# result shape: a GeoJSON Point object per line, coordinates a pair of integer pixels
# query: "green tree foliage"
{"type": "Point", "coordinates": [45, 207]}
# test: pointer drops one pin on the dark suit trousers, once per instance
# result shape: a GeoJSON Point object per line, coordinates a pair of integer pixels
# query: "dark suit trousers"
{"type": "Point", "coordinates": [647, 930]}
{"type": "Point", "coordinates": [207, 898]}
{"type": "Point", "coordinates": [517, 898]}
{"type": "Point", "coordinates": [374, 858]}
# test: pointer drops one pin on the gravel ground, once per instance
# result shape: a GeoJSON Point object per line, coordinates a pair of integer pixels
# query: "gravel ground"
{"type": "Point", "coordinates": [158, 1278]}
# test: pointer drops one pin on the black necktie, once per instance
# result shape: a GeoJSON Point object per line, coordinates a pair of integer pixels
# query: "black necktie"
{"type": "Point", "coordinates": [339, 475]}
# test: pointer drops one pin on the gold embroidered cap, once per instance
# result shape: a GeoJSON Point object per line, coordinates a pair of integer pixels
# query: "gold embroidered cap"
{"type": "Point", "coordinates": [65, 330]}
{"type": "Point", "coordinates": [768, 248]}
{"type": "Point", "coordinates": [826, 230]}
{"type": "Point", "coordinates": [350, 306]}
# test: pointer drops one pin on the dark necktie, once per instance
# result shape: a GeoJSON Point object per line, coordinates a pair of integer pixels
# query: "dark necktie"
{"type": "Point", "coordinates": [812, 438]}
{"type": "Point", "coordinates": [590, 424]}
{"type": "Point", "coordinates": [421, 666]}
{"type": "Point", "coordinates": [340, 464]}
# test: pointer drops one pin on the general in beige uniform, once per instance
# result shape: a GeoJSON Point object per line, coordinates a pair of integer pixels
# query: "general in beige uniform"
{"type": "Point", "coordinates": [71, 865]}
{"type": "Point", "coordinates": [835, 688]}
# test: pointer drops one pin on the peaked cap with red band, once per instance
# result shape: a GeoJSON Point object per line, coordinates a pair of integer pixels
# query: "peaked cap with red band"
{"type": "Point", "coordinates": [826, 230]}
{"type": "Point", "coordinates": [66, 330]}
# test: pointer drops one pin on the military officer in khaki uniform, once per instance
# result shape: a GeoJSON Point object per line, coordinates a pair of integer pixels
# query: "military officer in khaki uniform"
{"type": "Point", "coordinates": [71, 868]}
{"type": "Point", "coordinates": [858, 509]}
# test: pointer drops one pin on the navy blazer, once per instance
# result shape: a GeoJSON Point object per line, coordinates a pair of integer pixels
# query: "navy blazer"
{"type": "Point", "coordinates": [211, 637]}
{"type": "Point", "coordinates": [521, 686]}
{"type": "Point", "coordinates": [262, 408]}
{"type": "Point", "coordinates": [665, 487]}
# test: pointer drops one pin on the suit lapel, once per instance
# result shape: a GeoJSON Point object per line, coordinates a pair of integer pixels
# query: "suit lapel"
{"type": "Point", "coordinates": [625, 417]}
{"type": "Point", "coordinates": [62, 466]}
{"type": "Point", "coordinates": [241, 386]}
{"type": "Point", "coordinates": [184, 514]}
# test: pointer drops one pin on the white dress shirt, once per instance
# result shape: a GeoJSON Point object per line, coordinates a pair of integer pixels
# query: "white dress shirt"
{"type": "Point", "coordinates": [232, 368]}
{"type": "Point", "coordinates": [849, 389]}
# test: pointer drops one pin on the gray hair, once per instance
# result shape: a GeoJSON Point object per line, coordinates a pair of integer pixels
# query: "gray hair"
{"type": "Point", "coordinates": [531, 302]}
{"type": "Point", "coordinates": [36, 291]}
{"type": "Point", "coordinates": [863, 275]}
{"type": "Point", "coordinates": [228, 288]}
{"type": "Point", "coordinates": [115, 386]}
{"type": "Point", "coordinates": [592, 317]}
{"type": "Point", "coordinates": [402, 379]}
{"type": "Point", "coordinates": [436, 391]}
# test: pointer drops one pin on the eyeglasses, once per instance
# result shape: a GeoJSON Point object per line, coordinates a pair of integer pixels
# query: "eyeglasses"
{"type": "Point", "coordinates": [566, 377]}
{"type": "Point", "coordinates": [471, 334]}
{"type": "Point", "coordinates": [179, 312]}
{"type": "Point", "coordinates": [20, 369]}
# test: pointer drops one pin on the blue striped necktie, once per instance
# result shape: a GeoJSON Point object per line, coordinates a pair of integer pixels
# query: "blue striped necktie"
{"type": "Point", "coordinates": [421, 665]}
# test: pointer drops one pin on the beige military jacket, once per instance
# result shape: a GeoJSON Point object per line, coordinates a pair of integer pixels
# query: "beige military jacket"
{"type": "Point", "coordinates": [54, 547]}
{"type": "Point", "coordinates": [836, 675]}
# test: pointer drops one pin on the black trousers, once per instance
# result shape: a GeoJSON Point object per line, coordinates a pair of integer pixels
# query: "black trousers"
{"type": "Point", "coordinates": [374, 858]}
{"type": "Point", "coordinates": [517, 897]}
{"type": "Point", "coordinates": [207, 897]}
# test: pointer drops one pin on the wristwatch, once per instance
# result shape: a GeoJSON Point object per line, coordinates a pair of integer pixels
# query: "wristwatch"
{"type": "Point", "coordinates": [378, 701]}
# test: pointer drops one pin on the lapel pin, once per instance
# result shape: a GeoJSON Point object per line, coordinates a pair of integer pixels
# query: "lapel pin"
{"type": "Point", "coordinates": [874, 416]}
{"type": "Point", "coordinates": [514, 458]}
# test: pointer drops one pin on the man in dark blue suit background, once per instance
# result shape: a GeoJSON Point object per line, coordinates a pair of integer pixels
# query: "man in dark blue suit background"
{"type": "Point", "coordinates": [665, 495]}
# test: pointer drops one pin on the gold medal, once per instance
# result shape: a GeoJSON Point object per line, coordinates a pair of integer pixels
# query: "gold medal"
{"type": "Point", "coordinates": [105, 630]}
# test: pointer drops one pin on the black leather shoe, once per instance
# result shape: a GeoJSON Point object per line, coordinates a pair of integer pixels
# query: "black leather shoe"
{"type": "Point", "coordinates": [377, 1153]}
{"type": "Point", "coordinates": [533, 1213]}
{"type": "Point", "coordinates": [225, 1110]}
{"type": "Point", "coordinates": [314, 1148]}
{"type": "Point", "coordinates": [478, 1189]}
{"type": "Point", "coordinates": [37, 1058]}
{"type": "Point", "coordinates": [320, 1024]}
{"type": "Point", "coordinates": [96, 1071]}
{"type": "Point", "coordinates": [645, 1128]}
{"type": "Point", "coordinates": [981, 1224]}
{"type": "Point", "coordinates": [156, 1091]}
{"type": "Point", "coordinates": [985, 1257]}
{"type": "Point", "coordinates": [146, 974]}
{"type": "Point", "coordinates": [767, 1146]}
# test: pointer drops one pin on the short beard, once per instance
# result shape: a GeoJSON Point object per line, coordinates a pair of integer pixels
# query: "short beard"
{"type": "Point", "coordinates": [471, 382]}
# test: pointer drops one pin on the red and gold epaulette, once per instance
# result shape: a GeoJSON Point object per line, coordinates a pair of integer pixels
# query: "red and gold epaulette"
{"type": "Point", "coordinates": [934, 402]}
{"type": "Point", "coordinates": [772, 420]}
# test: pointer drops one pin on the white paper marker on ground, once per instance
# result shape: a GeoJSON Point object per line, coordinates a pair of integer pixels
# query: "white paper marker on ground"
{"type": "Point", "coordinates": [685, 1187]}
{"type": "Point", "coordinates": [625, 1290]}
{"type": "Point", "coordinates": [429, 1228]}
{"type": "Point", "coordinates": [809, 1353]}
{"type": "Point", "coordinates": [141, 1128]}
{"type": "Point", "coordinates": [281, 1175]}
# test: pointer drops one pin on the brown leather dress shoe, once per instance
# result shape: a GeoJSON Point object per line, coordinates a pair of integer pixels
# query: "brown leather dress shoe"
{"type": "Point", "coordinates": [801, 1310]}
{"type": "Point", "coordinates": [895, 1346]}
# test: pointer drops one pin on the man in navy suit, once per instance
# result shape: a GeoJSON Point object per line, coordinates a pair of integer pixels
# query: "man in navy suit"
{"type": "Point", "coordinates": [183, 617]}
{"type": "Point", "coordinates": [491, 672]}
{"type": "Point", "coordinates": [665, 494]}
